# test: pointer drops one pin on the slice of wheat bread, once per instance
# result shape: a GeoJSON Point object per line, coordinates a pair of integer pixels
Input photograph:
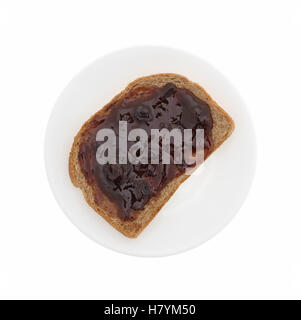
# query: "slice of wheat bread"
{"type": "Point", "coordinates": [223, 126]}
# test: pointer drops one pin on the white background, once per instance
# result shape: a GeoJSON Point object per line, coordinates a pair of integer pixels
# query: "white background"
{"type": "Point", "coordinates": [256, 44]}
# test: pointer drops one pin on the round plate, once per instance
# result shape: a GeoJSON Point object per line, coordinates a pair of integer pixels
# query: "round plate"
{"type": "Point", "coordinates": [204, 203]}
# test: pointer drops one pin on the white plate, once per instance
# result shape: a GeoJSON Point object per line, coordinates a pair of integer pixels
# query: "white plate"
{"type": "Point", "coordinates": [204, 204]}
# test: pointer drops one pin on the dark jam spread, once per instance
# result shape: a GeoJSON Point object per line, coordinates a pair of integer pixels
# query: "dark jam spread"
{"type": "Point", "coordinates": [131, 186]}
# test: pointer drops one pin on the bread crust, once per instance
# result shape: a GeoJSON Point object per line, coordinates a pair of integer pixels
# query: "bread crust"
{"type": "Point", "coordinates": [223, 126]}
